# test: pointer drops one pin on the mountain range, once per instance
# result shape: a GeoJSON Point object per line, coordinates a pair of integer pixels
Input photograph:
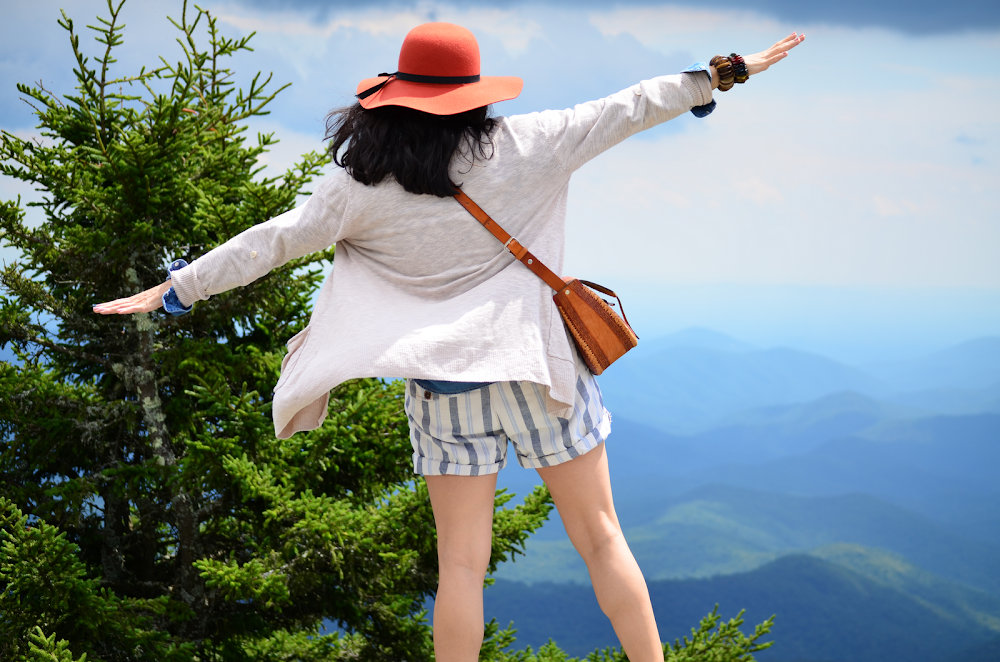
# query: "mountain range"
{"type": "Point", "coordinates": [861, 504]}
{"type": "Point", "coordinates": [721, 529]}
{"type": "Point", "coordinates": [841, 603]}
{"type": "Point", "coordinates": [696, 379]}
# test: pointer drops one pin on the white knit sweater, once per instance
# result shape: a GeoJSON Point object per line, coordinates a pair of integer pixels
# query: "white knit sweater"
{"type": "Point", "coordinates": [422, 290]}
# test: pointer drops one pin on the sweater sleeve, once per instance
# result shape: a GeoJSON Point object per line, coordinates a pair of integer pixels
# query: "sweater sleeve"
{"type": "Point", "coordinates": [314, 226]}
{"type": "Point", "coordinates": [578, 134]}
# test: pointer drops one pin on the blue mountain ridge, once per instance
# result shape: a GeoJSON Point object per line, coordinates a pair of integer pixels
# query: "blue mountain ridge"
{"type": "Point", "coordinates": [719, 529]}
{"type": "Point", "coordinates": [951, 400]}
{"type": "Point", "coordinates": [969, 365]}
{"type": "Point", "coordinates": [824, 611]}
{"type": "Point", "coordinates": [697, 379]}
{"type": "Point", "coordinates": [988, 651]}
{"type": "Point", "coordinates": [687, 389]}
{"type": "Point", "coordinates": [943, 467]}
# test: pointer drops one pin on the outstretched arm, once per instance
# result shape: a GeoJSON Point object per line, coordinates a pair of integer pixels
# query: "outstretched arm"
{"type": "Point", "coordinates": [250, 255]}
{"type": "Point", "coordinates": [576, 135]}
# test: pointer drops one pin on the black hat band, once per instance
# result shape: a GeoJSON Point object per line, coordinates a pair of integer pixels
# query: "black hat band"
{"type": "Point", "coordinates": [417, 78]}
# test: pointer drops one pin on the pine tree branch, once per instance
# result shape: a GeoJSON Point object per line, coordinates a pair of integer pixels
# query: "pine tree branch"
{"type": "Point", "coordinates": [33, 106]}
{"type": "Point", "coordinates": [111, 40]}
{"type": "Point", "coordinates": [52, 95]}
{"type": "Point", "coordinates": [65, 351]}
{"type": "Point", "coordinates": [87, 78]}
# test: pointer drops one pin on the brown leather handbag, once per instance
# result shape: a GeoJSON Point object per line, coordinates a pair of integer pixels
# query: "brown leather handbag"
{"type": "Point", "coordinates": [600, 334]}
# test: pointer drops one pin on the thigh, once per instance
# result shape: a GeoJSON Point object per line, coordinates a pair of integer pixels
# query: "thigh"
{"type": "Point", "coordinates": [581, 490]}
{"type": "Point", "coordinates": [463, 515]}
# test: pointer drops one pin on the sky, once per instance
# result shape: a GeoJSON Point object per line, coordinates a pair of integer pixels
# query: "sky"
{"type": "Point", "coordinates": [846, 201]}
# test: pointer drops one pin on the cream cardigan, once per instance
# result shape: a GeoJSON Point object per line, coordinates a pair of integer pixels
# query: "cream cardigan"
{"type": "Point", "coordinates": [419, 288]}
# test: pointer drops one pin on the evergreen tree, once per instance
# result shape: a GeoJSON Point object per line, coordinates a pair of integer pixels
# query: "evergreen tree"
{"type": "Point", "coordinates": [151, 513]}
{"type": "Point", "coordinates": [147, 511]}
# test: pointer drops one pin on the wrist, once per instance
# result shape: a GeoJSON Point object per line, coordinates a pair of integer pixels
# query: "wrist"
{"type": "Point", "coordinates": [715, 76]}
{"type": "Point", "coordinates": [171, 302]}
{"type": "Point", "coordinates": [724, 68]}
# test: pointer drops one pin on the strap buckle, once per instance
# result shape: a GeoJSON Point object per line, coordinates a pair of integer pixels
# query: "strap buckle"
{"type": "Point", "coordinates": [506, 245]}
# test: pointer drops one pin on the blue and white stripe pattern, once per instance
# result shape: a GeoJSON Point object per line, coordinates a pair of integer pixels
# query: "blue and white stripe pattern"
{"type": "Point", "coordinates": [466, 434]}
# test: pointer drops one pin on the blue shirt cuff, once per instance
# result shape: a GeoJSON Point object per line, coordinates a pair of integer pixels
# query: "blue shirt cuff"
{"type": "Point", "coordinates": [706, 110]}
{"type": "Point", "coordinates": [171, 303]}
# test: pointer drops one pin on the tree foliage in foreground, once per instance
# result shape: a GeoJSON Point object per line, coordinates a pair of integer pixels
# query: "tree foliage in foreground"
{"type": "Point", "coordinates": [147, 511]}
{"type": "Point", "coordinates": [712, 641]}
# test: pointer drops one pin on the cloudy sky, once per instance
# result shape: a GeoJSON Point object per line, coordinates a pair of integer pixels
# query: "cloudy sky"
{"type": "Point", "coordinates": [845, 201]}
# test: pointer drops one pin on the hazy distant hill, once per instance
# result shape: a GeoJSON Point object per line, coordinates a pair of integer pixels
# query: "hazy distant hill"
{"type": "Point", "coordinates": [723, 529]}
{"type": "Point", "coordinates": [985, 652]}
{"type": "Point", "coordinates": [951, 599]}
{"type": "Point", "coordinates": [979, 520]}
{"type": "Point", "coordinates": [969, 365]}
{"type": "Point", "coordinates": [759, 435]}
{"type": "Point", "coordinates": [698, 379]}
{"type": "Point", "coordinates": [682, 388]}
{"type": "Point", "coordinates": [825, 611]}
{"type": "Point", "coordinates": [944, 467]}
{"type": "Point", "coordinates": [754, 436]}
{"type": "Point", "coordinates": [698, 337]}
{"type": "Point", "coordinates": [947, 454]}
{"type": "Point", "coordinates": [813, 414]}
{"type": "Point", "coordinates": [955, 401]}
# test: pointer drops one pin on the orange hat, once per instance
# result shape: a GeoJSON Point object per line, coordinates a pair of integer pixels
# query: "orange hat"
{"type": "Point", "coordinates": [438, 74]}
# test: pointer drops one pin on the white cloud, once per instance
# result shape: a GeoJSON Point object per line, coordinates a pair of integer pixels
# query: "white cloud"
{"type": "Point", "coordinates": [512, 29]}
{"type": "Point", "coordinates": [890, 207]}
{"type": "Point", "coordinates": [659, 26]}
{"type": "Point", "coordinates": [290, 25]}
{"type": "Point", "coordinates": [289, 149]}
{"type": "Point", "coordinates": [759, 191]}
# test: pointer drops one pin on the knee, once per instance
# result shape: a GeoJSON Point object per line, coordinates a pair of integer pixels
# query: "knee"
{"type": "Point", "coordinates": [598, 543]}
{"type": "Point", "coordinates": [463, 560]}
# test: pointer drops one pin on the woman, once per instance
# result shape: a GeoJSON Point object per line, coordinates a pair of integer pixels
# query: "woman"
{"type": "Point", "coordinates": [420, 289]}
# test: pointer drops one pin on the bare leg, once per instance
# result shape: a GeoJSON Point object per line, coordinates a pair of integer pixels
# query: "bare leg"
{"type": "Point", "coordinates": [581, 489]}
{"type": "Point", "coordinates": [463, 514]}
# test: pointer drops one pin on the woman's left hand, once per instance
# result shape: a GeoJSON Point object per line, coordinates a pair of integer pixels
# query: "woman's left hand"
{"type": "Point", "coordinates": [144, 302]}
{"type": "Point", "coordinates": [759, 62]}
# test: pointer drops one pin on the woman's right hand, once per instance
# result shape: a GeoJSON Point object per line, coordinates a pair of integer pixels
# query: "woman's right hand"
{"type": "Point", "coordinates": [144, 302]}
{"type": "Point", "coordinates": [759, 62]}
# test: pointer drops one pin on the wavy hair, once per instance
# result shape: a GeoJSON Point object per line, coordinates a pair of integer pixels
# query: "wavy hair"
{"type": "Point", "coordinates": [414, 147]}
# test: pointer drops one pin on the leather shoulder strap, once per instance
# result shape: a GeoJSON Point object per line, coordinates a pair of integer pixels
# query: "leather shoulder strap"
{"type": "Point", "coordinates": [510, 243]}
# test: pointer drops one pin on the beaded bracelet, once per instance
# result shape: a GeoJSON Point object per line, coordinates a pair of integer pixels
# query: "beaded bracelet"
{"type": "Point", "coordinates": [739, 68]}
{"type": "Point", "coordinates": [724, 67]}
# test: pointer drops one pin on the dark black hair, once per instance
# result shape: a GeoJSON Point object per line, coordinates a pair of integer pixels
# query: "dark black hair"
{"type": "Point", "coordinates": [412, 146]}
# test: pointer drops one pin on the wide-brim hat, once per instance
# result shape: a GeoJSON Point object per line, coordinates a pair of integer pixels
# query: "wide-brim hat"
{"type": "Point", "coordinates": [438, 74]}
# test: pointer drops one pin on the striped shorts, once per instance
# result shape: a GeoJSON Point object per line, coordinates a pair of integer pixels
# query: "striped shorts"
{"type": "Point", "coordinates": [465, 434]}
